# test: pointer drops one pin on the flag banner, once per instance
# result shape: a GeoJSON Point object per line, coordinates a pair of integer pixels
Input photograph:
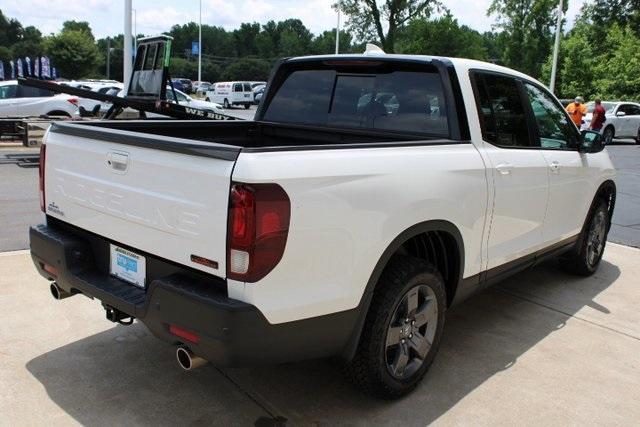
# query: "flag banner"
{"type": "Point", "coordinates": [36, 67]}
{"type": "Point", "coordinates": [27, 62]}
{"type": "Point", "coordinates": [46, 71]}
{"type": "Point", "coordinates": [1, 71]}
{"type": "Point", "coordinates": [54, 73]}
{"type": "Point", "coordinates": [13, 70]}
{"type": "Point", "coordinates": [19, 64]}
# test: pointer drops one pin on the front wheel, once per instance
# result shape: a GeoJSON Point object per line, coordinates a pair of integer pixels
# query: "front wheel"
{"type": "Point", "coordinates": [607, 135]}
{"type": "Point", "coordinates": [638, 136]}
{"type": "Point", "coordinates": [226, 104]}
{"type": "Point", "coordinates": [246, 106]}
{"type": "Point", "coordinates": [585, 258]}
{"type": "Point", "coordinates": [402, 330]}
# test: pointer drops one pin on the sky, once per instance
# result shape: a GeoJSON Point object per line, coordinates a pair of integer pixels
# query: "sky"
{"type": "Point", "coordinates": [155, 16]}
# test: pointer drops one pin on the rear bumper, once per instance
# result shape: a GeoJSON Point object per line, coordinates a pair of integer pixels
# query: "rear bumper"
{"type": "Point", "coordinates": [230, 332]}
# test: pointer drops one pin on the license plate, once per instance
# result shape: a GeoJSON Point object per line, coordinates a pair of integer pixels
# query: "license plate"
{"type": "Point", "coordinates": [128, 266]}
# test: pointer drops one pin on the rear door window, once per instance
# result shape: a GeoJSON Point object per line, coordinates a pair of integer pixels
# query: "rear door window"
{"type": "Point", "coordinates": [247, 87]}
{"type": "Point", "coordinates": [237, 87]}
{"type": "Point", "coordinates": [501, 110]}
{"type": "Point", "coordinates": [399, 101]}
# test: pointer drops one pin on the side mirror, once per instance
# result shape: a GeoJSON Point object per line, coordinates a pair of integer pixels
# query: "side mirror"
{"type": "Point", "coordinates": [590, 142]}
{"type": "Point", "coordinates": [621, 114]}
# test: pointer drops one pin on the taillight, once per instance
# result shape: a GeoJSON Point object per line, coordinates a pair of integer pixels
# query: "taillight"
{"type": "Point", "coordinates": [74, 101]}
{"type": "Point", "coordinates": [258, 227]}
{"type": "Point", "coordinates": [41, 164]}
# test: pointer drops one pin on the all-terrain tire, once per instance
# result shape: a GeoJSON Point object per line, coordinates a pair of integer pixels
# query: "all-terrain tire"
{"type": "Point", "coordinates": [369, 368]}
{"type": "Point", "coordinates": [585, 258]}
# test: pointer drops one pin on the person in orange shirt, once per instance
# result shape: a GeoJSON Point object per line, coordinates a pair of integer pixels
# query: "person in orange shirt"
{"type": "Point", "coordinates": [577, 110]}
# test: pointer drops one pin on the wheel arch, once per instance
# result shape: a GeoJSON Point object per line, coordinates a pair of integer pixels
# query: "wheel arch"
{"type": "Point", "coordinates": [446, 234]}
{"type": "Point", "coordinates": [58, 113]}
{"type": "Point", "coordinates": [607, 193]}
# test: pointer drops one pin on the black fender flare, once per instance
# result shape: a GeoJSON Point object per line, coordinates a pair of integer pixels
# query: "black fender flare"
{"type": "Point", "coordinates": [363, 307]}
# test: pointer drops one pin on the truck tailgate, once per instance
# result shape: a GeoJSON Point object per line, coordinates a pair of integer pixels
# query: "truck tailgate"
{"type": "Point", "coordinates": [156, 194]}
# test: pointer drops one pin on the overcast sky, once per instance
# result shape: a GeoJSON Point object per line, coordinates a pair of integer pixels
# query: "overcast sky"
{"type": "Point", "coordinates": [155, 16]}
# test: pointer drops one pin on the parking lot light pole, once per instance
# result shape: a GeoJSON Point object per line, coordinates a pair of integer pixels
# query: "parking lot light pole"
{"type": "Point", "coordinates": [556, 49]}
{"type": "Point", "coordinates": [200, 44]}
{"type": "Point", "coordinates": [338, 33]}
{"type": "Point", "coordinates": [127, 45]}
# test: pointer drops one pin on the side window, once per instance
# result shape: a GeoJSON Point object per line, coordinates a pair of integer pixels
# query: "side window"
{"type": "Point", "coordinates": [502, 115]}
{"type": "Point", "coordinates": [33, 92]}
{"type": "Point", "coordinates": [237, 87]}
{"type": "Point", "coordinates": [630, 109]}
{"type": "Point", "coordinates": [554, 129]}
{"type": "Point", "coordinates": [8, 91]}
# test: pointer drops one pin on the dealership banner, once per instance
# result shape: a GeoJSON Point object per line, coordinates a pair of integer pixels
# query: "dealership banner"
{"type": "Point", "coordinates": [36, 67]}
{"type": "Point", "coordinates": [13, 70]}
{"type": "Point", "coordinates": [46, 70]}
{"type": "Point", "coordinates": [54, 73]}
{"type": "Point", "coordinates": [27, 62]}
{"type": "Point", "coordinates": [1, 71]}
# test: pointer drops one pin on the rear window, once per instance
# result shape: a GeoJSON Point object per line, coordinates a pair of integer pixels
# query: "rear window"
{"type": "Point", "coordinates": [403, 101]}
{"type": "Point", "coordinates": [33, 92]}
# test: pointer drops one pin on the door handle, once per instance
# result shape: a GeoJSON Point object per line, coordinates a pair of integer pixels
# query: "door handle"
{"type": "Point", "coordinates": [554, 166]}
{"type": "Point", "coordinates": [504, 168]}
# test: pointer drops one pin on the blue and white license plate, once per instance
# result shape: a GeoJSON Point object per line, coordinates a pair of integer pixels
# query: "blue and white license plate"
{"type": "Point", "coordinates": [128, 266]}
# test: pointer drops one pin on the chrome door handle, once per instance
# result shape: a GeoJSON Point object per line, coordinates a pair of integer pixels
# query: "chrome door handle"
{"type": "Point", "coordinates": [554, 166]}
{"type": "Point", "coordinates": [504, 168]}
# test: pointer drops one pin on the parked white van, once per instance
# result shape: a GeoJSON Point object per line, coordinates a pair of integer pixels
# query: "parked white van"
{"type": "Point", "coordinates": [231, 93]}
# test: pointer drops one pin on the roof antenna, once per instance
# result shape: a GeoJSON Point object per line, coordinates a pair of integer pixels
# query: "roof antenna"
{"type": "Point", "coordinates": [372, 49]}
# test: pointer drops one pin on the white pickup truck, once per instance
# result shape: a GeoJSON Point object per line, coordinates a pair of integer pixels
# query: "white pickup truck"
{"type": "Point", "coordinates": [370, 194]}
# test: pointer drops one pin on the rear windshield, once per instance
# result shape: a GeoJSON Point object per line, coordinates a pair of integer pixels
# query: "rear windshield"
{"type": "Point", "coordinates": [403, 101]}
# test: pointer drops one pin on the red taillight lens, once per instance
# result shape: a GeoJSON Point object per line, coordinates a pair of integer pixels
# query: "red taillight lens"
{"type": "Point", "coordinates": [74, 101]}
{"type": "Point", "coordinates": [258, 228]}
{"type": "Point", "coordinates": [41, 165]}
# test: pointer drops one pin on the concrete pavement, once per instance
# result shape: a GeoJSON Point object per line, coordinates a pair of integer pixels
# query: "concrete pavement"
{"type": "Point", "coordinates": [541, 348]}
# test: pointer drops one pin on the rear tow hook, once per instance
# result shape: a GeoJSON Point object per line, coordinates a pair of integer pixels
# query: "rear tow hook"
{"type": "Point", "coordinates": [117, 316]}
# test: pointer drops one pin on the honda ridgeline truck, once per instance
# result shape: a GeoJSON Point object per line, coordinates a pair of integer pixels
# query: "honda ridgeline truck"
{"type": "Point", "coordinates": [369, 195]}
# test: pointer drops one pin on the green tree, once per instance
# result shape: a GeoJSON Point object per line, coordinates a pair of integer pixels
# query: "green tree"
{"type": "Point", "coordinates": [31, 43]}
{"type": "Point", "coordinates": [245, 39]}
{"type": "Point", "coordinates": [11, 31]}
{"type": "Point", "coordinates": [576, 64]}
{"type": "Point", "coordinates": [116, 57]}
{"type": "Point", "coordinates": [528, 26]}
{"type": "Point", "coordinates": [444, 37]}
{"type": "Point", "coordinates": [325, 43]}
{"type": "Point", "coordinates": [368, 20]}
{"type": "Point", "coordinates": [605, 13]}
{"type": "Point", "coordinates": [248, 69]}
{"type": "Point", "coordinates": [73, 52]}
{"type": "Point", "coordinates": [616, 70]}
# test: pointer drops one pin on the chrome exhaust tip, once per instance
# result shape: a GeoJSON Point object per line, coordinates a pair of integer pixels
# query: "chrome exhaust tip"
{"type": "Point", "coordinates": [187, 360]}
{"type": "Point", "coordinates": [58, 293]}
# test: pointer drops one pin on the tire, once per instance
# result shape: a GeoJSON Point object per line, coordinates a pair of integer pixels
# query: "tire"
{"type": "Point", "coordinates": [638, 136]}
{"type": "Point", "coordinates": [246, 106]}
{"type": "Point", "coordinates": [225, 103]}
{"type": "Point", "coordinates": [585, 258]}
{"type": "Point", "coordinates": [207, 99]}
{"type": "Point", "coordinates": [393, 354]}
{"type": "Point", "coordinates": [608, 135]}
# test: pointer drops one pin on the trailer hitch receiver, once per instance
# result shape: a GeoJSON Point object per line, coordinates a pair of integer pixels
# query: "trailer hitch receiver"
{"type": "Point", "coordinates": [117, 316]}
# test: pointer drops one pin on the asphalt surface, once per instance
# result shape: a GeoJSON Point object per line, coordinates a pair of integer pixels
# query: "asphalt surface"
{"type": "Point", "coordinates": [20, 207]}
{"type": "Point", "coordinates": [542, 348]}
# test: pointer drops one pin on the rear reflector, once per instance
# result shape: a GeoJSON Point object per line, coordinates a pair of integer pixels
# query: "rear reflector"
{"type": "Point", "coordinates": [50, 269]}
{"type": "Point", "coordinates": [184, 334]}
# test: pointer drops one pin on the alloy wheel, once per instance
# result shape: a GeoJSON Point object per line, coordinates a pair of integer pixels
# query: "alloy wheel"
{"type": "Point", "coordinates": [411, 332]}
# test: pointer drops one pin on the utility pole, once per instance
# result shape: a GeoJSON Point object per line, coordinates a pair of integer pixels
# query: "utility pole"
{"type": "Point", "coordinates": [556, 49]}
{"type": "Point", "coordinates": [127, 45]}
{"type": "Point", "coordinates": [135, 32]}
{"type": "Point", "coordinates": [338, 33]}
{"type": "Point", "coordinates": [108, 56]}
{"type": "Point", "coordinates": [200, 44]}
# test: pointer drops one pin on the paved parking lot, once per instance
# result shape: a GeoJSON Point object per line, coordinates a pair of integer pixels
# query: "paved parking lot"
{"type": "Point", "coordinates": [542, 348]}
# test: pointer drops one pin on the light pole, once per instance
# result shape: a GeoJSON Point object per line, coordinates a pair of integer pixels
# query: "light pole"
{"type": "Point", "coordinates": [556, 49]}
{"type": "Point", "coordinates": [135, 32]}
{"type": "Point", "coordinates": [127, 45]}
{"type": "Point", "coordinates": [200, 44]}
{"type": "Point", "coordinates": [338, 31]}
{"type": "Point", "coordinates": [108, 56]}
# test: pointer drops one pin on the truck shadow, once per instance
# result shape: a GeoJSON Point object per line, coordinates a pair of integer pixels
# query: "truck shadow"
{"type": "Point", "coordinates": [125, 376]}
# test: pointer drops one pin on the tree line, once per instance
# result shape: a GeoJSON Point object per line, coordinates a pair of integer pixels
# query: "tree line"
{"type": "Point", "coordinates": [598, 56]}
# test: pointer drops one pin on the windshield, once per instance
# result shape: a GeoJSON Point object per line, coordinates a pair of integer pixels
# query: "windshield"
{"type": "Point", "coordinates": [401, 101]}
